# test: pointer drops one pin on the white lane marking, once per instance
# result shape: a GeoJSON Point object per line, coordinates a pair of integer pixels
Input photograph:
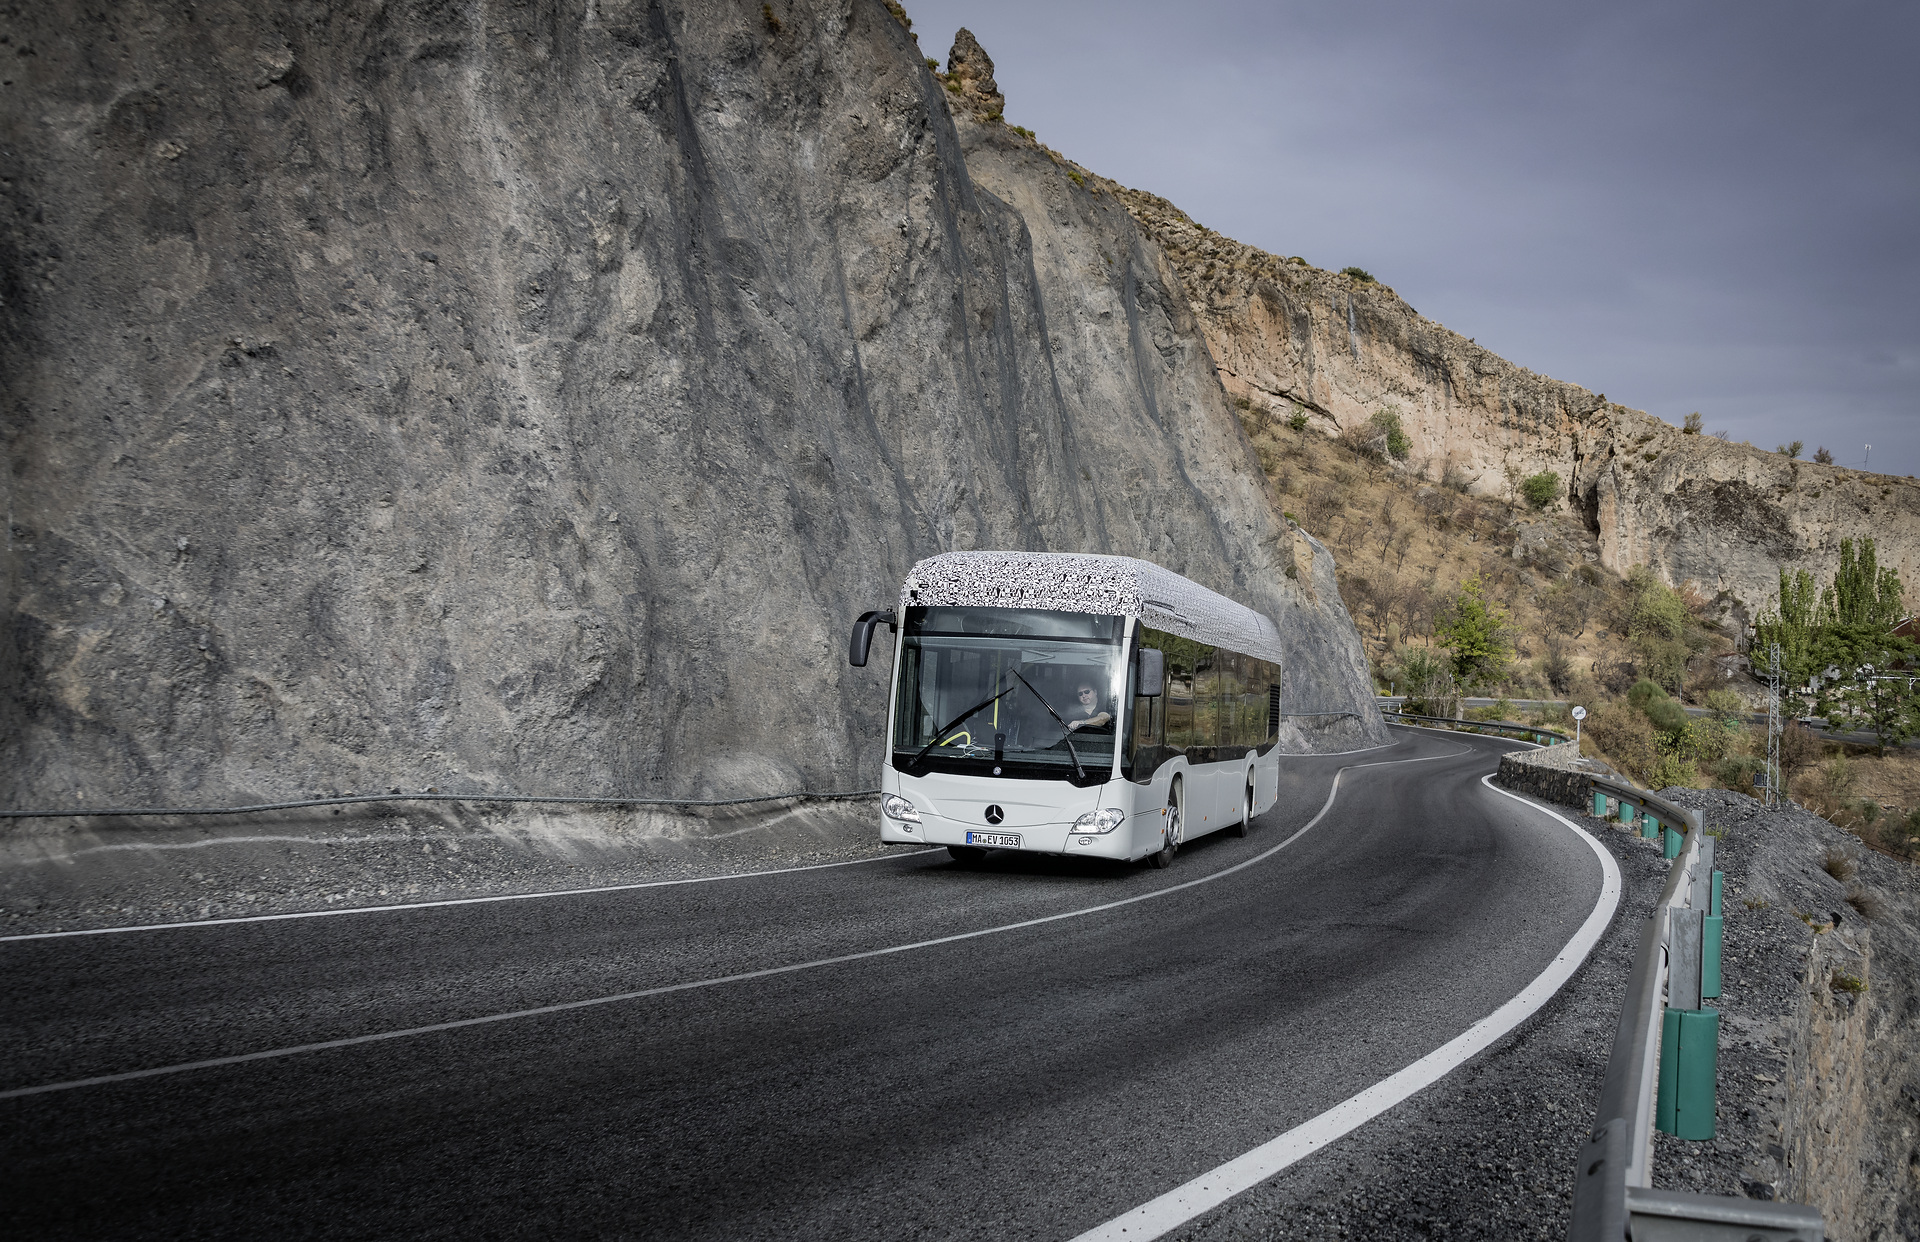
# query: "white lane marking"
{"type": "Point", "coordinates": [352, 1041]}
{"type": "Point", "coordinates": [1216, 1186]}
{"type": "Point", "coordinates": [453, 901]}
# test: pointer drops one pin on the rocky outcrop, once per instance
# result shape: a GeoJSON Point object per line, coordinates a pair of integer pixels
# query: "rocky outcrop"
{"type": "Point", "coordinates": [970, 76]}
{"type": "Point", "coordinates": [1288, 336]}
{"type": "Point", "coordinates": [527, 398]}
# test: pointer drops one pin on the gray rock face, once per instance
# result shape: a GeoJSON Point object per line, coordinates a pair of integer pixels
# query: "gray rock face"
{"type": "Point", "coordinates": [527, 398]}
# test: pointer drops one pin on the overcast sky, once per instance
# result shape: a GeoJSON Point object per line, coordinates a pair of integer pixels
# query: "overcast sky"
{"type": "Point", "coordinates": [1709, 207]}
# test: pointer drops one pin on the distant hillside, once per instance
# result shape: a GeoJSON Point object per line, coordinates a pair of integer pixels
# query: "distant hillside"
{"type": "Point", "coordinates": [1288, 336]}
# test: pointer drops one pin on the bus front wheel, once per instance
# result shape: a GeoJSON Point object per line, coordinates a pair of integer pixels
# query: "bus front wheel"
{"type": "Point", "coordinates": [1163, 858]}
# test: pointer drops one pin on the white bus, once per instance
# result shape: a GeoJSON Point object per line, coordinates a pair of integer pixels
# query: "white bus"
{"type": "Point", "coordinates": [1015, 675]}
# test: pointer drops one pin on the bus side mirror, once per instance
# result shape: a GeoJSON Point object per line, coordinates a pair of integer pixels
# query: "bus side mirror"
{"type": "Point", "coordinates": [863, 635]}
{"type": "Point", "coordinates": [1153, 672]}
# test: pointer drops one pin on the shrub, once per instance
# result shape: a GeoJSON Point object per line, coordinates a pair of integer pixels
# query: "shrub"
{"type": "Point", "coordinates": [1624, 736]}
{"type": "Point", "coordinates": [931, 62]}
{"type": "Point", "coordinates": [1671, 769]}
{"type": "Point", "coordinates": [1726, 704]}
{"type": "Point", "coordinates": [1670, 718]}
{"type": "Point", "coordinates": [1297, 421]}
{"type": "Point", "coordinates": [1358, 273]}
{"type": "Point", "coordinates": [1839, 864]}
{"type": "Point", "coordinates": [1555, 666]}
{"type": "Point", "coordinates": [1541, 489]}
{"type": "Point", "coordinates": [1799, 745]}
{"type": "Point", "coordinates": [1692, 425]}
{"type": "Point", "coordinates": [1427, 680]}
{"type": "Point", "coordinates": [1735, 772]}
{"type": "Point", "coordinates": [1386, 427]}
{"type": "Point", "coordinates": [1866, 901]}
{"type": "Point", "coordinates": [1645, 692]}
{"type": "Point", "coordinates": [1791, 450]}
{"type": "Point", "coordinates": [1852, 985]}
{"type": "Point", "coordinates": [1822, 456]}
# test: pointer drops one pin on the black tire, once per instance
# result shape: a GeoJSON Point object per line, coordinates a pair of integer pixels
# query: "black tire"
{"type": "Point", "coordinates": [1245, 825]}
{"type": "Point", "coordinates": [1176, 824]}
{"type": "Point", "coordinates": [967, 855]}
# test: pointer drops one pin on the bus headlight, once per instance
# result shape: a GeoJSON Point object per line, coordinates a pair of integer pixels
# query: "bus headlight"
{"type": "Point", "coordinates": [899, 808]}
{"type": "Point", "coordinates": [1100, 821]}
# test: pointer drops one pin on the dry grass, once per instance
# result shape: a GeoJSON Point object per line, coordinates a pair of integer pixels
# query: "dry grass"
{"type": "Point", "coordinates": [1406, 537]}
{"type": "Point", "coordinates": [1839, 863]}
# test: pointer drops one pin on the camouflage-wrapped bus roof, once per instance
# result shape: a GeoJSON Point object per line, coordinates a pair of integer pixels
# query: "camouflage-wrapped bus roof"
{"type": "Point", "coordinates": [1082, 582]}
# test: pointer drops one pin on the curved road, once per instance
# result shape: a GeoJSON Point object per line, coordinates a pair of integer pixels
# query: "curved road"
{"type": "Point", "coordinates": [1028, 1083]}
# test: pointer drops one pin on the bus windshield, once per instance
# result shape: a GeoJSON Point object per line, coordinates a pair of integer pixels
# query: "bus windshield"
{"type": "Point", "coordinates": [1008, 692]}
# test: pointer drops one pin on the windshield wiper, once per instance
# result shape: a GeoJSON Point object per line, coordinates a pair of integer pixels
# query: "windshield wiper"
{"type": "Point", "coordinates": [1067, 735]}
{"type": "Point", "coordinates": [947, 728]}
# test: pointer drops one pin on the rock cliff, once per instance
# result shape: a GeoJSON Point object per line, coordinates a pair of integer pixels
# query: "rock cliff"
{"type": "Point", "coordinates": [1290, 336]}
{"type": "Point", "coordinates": [526, 397]}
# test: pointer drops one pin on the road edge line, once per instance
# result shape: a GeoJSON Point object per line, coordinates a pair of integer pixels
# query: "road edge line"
{"type": "Point", "coordinates": [1202, 1194]}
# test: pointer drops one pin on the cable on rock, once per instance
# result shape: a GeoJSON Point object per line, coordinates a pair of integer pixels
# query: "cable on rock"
{"type": "Point", "coordinates": [352, 799]}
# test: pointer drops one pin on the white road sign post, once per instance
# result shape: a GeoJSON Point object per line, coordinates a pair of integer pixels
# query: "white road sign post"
{"type": "Point", "coordinates": [1579, 714]}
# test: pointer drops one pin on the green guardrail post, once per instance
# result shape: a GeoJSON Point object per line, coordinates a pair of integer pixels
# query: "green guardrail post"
{"type": "Point", "coordinates": [1711, 930]}
{"type": "Point", "coordinates": [1629, 814]}
{"type": "Point", "coordinates": [1689, 1061]}
{"type": "Point", "coordinates": [1713, 903]}
{"type": "Point", "coordinates": [1650, 825]}
{"type": "Point", "coordinates": [1673, 843]}
{"type": "Point", "coordinates": [1600, 803]}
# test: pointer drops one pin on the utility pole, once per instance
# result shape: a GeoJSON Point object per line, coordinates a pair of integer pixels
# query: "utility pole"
{"type": "Point", "coordinates": [1773, 726]}
{"type": "Point", "coordinates": [1869, 457]}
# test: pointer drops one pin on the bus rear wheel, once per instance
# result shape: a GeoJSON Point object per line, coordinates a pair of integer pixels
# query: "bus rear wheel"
{"type": "Point", "coordinates": [967, 855]}
{"type": "Point", "coordinates": [1163, 858]}
{"type": "Point", "coordinates": [1245, 825]}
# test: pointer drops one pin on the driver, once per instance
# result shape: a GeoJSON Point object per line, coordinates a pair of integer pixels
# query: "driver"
{"type": "Point", "coordinates": [1087, 711]}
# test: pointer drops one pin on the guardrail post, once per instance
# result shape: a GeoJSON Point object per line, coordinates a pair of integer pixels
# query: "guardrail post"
{"type": "Point", "coordinates": [1651, 825]}
{"type": "Point", "coordinates": [1689, 1062]}
{"type": "Point", "coordinates": [1600, 803]}
{"type": "Point", "coordinates": [1683, 958]}
{"type": "Point", "coordinates": [1718, 878]}
{"type": "Point", "coordinates": [1674, 842]}
{"type": "Point", "coordinates": [1711, 938]}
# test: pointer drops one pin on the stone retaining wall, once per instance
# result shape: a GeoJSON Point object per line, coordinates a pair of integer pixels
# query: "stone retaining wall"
{"type": "Point", "coordinates": [1547, 774]}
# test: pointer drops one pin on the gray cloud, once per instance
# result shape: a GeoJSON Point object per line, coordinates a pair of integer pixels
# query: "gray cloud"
{"type": "Point", "coordinates": [1687, 207]}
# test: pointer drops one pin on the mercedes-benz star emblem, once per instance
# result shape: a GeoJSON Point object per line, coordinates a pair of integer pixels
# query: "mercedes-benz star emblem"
{"type": "Point", "coordinates": [995, 814]}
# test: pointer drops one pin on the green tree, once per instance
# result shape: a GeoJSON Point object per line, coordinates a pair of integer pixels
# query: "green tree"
{"type": "Point", "coordinates": [1862, 593]}
{"type": "Point", "coordinates": [1541, 489]}
{"type": "Point", "coordinates": [1839, 656]}
{"type": "Point", "coordinates": [1475, 633]}
{"type": "Point", "coordinates": [1790, 620]}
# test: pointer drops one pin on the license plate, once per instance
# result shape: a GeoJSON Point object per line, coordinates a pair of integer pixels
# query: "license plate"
{"type": "Point", "coordinates": [996, 840]}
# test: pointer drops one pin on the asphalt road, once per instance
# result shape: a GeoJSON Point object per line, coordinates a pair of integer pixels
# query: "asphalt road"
{"type": "Point", "coordinates": [1028, 1083]}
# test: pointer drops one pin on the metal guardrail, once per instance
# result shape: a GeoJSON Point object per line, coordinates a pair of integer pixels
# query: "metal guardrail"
{"type": "Point", "coordinates": [1613, 1198]}
{"type": "Point", "coordinates": [1532, 733]}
